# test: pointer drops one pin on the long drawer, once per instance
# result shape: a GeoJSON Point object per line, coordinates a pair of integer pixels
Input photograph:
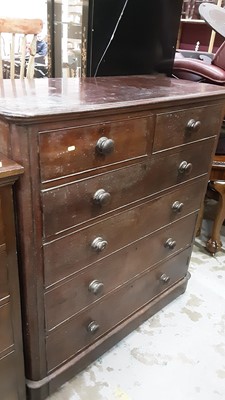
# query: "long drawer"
{"type": "Point", "coordinates": [71, 253]}
{"type": "Point", "coordinates": [76, 334]}
{"type": "Point", "coordinates": [71, 204]}
{"type": "Point", "coordinates": [77, 149]}
{"type": "Point", "coordinates": [185, 126]}
{"type": "Point", "coordinates": [67, 299]}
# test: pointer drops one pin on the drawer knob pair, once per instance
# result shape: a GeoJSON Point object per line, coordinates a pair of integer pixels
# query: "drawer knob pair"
{"type": "Point", "coordinates": [101, 197]}
{"type": "Point", "coordinates": [93, 327]}
{"type": "Point", "coordinates": [105, 146]}
{"type": "Point", "coordinates": [193, 125]}
{"type": "Point", "coordinates": [177, 206]}
{"type": "Point", "coordinates": [99, 244]}
{"type": "Point", "coordinates": [96, 287]}
{"type": "Point", "coordinates": [164, 278]}
{"type": "Point", "coordinates": [185, 167]}
{"type": "Point", "coordinates": [170, 244]}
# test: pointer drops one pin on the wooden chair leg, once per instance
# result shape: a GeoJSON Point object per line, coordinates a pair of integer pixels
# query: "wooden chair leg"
{"type": "Point", "coordinates": [214, 244]}
{"type": "Point", "coordinates": [199, 219]}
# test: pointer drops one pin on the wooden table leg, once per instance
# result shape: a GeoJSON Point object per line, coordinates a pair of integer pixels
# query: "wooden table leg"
{"type": "Point", "coordinates": [214, 244]}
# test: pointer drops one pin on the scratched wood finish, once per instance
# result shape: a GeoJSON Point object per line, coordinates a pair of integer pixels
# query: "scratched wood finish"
{"type": "Point", "coordinates": [172, 128]}
{"type": "Point", "coordinates": [74, 149]}
{"type": "Point", "coordinates": [69, 298]}
{"type": "Point", "coordinates": [63, 258]}
{"type": "Point", "coordinates": [58, 100]}
{"type": "Point", "coordinates": [41, 121]}
{"type": "Point", "coordinates": [132, 296]}
{"type": "Point", "coordinates": [122, 185]}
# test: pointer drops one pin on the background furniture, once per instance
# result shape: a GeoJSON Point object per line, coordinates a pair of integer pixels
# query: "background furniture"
{"type": "Point", "coordinates": [12, 380]}
{"type": "Point", "coordinates": [217, 189]}
{"type": "Point", "coordinates": [18, 59]}
{"type": "Point", "coordinates": [195, 33]}
{"type": "Point", "coordinates": [115, 172]}
{"type": "Point", "coordinates": [198, 70]}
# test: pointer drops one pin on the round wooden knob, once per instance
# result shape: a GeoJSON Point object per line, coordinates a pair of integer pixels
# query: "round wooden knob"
{"type": "Point", "coordinates": [99, 244]}
{"type": "Point", "coordinates": [164, 278]}
{"type": "Point", "coordinates": [170, 244]}
{"type": "Point", "coordinates": [185, 168]}
{"type": "Point", "coordinates": [93, 327]}
{"type": "Point", "coordinates": [101, 197]}
{"type": "Point", "coordinates": [193, 125]}
{"type": "Point", "coordinates": [177, 206]}
{"type": "Point", "coordinates": [105, 146]}
{"type": "Point", "coordinates": [95, 287]}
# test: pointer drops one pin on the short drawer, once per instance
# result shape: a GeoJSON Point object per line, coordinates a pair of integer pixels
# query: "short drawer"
{"type": "Point", "coordinates": [111, 272]}
{"type": "Point", "coordinates": [4, 289]}
{"type": "Point", "coordinates": [84, 200]}
{"type": "Point", "coordinates": [185, 126]}
{"type": "Point", "coordinates": [73, 150]}
{"type": "Point", "coordinates": [6, 333]}
{"type": "Point", "coordinates": [71, 253]}
{"type": "Point", "coordinates": [78, 333]}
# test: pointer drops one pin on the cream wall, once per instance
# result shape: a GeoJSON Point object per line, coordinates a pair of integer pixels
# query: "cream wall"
{"type": "Point", "coordinates": [24, 9]}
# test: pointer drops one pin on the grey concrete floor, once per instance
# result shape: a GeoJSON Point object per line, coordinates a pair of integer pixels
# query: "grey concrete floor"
{"type": "Point", "coordinates": [178, 354]}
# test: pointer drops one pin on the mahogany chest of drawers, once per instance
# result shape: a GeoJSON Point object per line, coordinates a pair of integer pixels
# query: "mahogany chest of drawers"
{"type": "Point", "coordinates": [12, 378]}
{"type": "Point", "coordinates": [115, 172]}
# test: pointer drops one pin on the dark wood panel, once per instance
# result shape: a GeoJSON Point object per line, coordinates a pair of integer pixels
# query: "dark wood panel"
{"type": "Point", "coordinates": [12, 380]}
{"type": "Point", "coordinates": [75, 149]}
{"type": "Point", "coordinates": [2, 239]}
{"type": "Point", "coordinates": [73, 252]}
{"type": "Point", "coordinates": [69, 205]}
{"type": "Point", "coordinates": [172, 128]}
{"type": "Point", "coordinates": [4, 287]}
{"type": "Point", "coordinates": [6, 332]}
{"type": "Point", "coordinates": [74, 335]}
{"type": "Point", "coordinates": [9, 170]}
{"type": "Point", "coordinates": [10, 388]}
{"type": "Point", "coordinates": [69, 298]}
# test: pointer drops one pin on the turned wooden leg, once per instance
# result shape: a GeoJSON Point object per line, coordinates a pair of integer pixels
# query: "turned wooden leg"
{"type": "Point", "coordinates": [199, 219]}
{"type": "Point", "coordinates": [214, 244]}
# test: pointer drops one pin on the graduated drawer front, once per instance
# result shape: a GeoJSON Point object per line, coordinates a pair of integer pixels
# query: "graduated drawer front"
{"type": "Point", "coordinates": [172, 128]}
{"type": "Point", "coordinates": [6, 333]}
{"type": "Point", "coordinates": [72, 150]}
{"type": "Point", "coordinates": [71, 204]}
{"type": "Point", "coordinates": [73, 336]}
{"type": "Point", "coordinates": [69, 298]}
{"type": "Point", "coordinates": [4, 290]}
{"type": "Point", "coordinates": [71, 253]}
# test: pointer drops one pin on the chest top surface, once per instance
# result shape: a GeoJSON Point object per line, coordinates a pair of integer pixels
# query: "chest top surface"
{"type": "Point", "coordinates": [33, 99]}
